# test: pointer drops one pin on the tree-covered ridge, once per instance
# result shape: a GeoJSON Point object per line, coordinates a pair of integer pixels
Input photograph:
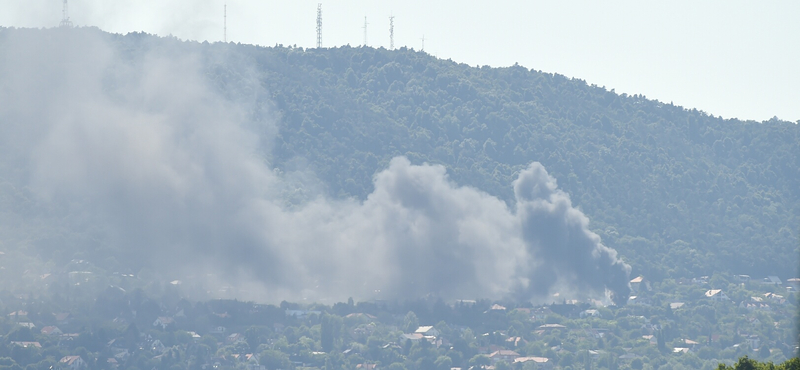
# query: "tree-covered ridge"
{"type": "Point", "coordinates": [126, 321]}
{"type": "Point", "coordinates": [677, 192]}
{"type": "Point", "coordinates": [746, 363]}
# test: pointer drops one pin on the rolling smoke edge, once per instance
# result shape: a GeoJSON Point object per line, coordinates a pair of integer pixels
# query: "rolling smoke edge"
{"type": "Point", "coordinates": [143, 151]}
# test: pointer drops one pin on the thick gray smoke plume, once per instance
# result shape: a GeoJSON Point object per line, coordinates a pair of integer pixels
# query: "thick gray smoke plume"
{"type": "Point", "coordinates": [142, 155]}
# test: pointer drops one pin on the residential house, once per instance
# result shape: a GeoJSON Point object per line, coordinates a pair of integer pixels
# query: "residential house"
{"type": "Point", "coordinates": [639, 283]}
{"type": "Point", "coordinates": [465, 302]}
{"type": "Point", "coordinates": [113, 363]}
{"type": "Point", "coordinates": [741, 278]}
{"type": "Point", "coordinates": [516, 341]}
{"type": "Point", "coordinates": [62, 318]}
{"type": "Point", "coordinates": [51, 330]}
{"type": "Point", "coordinates": [693, 346]}
{"type": "Point", "coordinates": [755, 303]}
{"type": "Point", "coordinates": [252, 362]}
{"type": "Point", "coordinates": [775, 298]}
{"type": "Point", "coordinates": [590, 313]}
{"type": "Point", "coordinates": [542, 363]}
{"type": "Point", "coordinates": [487, 350]}
{"type": "Point", "coordinates": [427, 331]}
{"type": "Point", "coordinates": [163, 322]}
{"type": "Point", "coordinates": [27, 344]}
{"type": "Point", "coordinates": [72, 362]}
{"type": "Point", "coordinates": [413, 337]}
{"type": "Point", "coordinates": [753, 341]}
{"type": "Point", "coordinates": [235, 338]}
{"type": "Point", "coordinates": [122, 355]}
{"type": "Point", "coordinates": [717, 295]}
{"type": "Point", "coordinates": [18, 315]}
{"type": "Point", "coordinates": [302, 314]}
{"type": "Point", "coordinates": [639, 300]}
{"type": "Point", "coordinates": [157, 346]}
{"type": "Point", "coordinates": [771, 280]}
{"type": "Point", "coordinates": [595, 333]}
{"type": "Point", "coordinates": [66, 338]}
{"type": "Point", "coordinates": [360, 315]}
{"type": "Point", "coordinates": [676, 305]}
{"type": "Point", "coordinates": [548, 327]}
{"type": "Point", "coordinates": [195, 337]}
{"type": "Point", "coordinates": [503, 355]}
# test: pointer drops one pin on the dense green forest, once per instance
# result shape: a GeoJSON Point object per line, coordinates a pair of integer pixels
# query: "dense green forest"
{"type": "Point", "coordinates": [690, 201]}
{"type": "Point", "coordinates": [677, 192]}
{"type": "Point", "coordinates": [746, 363]}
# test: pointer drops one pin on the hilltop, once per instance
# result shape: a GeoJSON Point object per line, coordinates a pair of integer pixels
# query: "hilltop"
{"type": "Point", "coordinates": [677, 192]}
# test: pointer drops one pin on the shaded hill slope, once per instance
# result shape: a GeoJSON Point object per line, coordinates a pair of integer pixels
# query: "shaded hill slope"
{"type": "Point", "coordinates": [677, 192]}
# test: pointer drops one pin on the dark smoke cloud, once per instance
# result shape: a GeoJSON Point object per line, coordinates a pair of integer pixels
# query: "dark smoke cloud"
{"type": "Point", "coordinates": [558, 234]}
{"type": "Point", "coordinates": [143, 153]}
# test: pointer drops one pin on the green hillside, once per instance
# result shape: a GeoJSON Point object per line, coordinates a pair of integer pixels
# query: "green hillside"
{"type": "Point", "coordinates": [677, 192]}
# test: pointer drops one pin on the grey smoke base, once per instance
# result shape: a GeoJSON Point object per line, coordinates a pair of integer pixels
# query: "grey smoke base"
{"type": "Point", "coordinates": [173, 176]}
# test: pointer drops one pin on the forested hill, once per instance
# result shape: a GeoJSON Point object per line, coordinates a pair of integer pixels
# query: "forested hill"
{"type": "Point", "coordinates": [677, 192]}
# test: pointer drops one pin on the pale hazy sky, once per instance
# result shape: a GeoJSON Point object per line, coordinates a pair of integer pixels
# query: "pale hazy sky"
{"type": "Point", "coordinates": [731, 58]}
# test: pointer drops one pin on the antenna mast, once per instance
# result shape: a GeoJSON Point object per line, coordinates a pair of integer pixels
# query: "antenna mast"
{"type": "Point", "coordinates": [65, 22]}
{"type": "Point", "coordinates": [319, 25]}
{"type": "Point", "coordinates": [423, 43]}
{"type": "Point", "coordinates": [365, 31]}
{"type": "Point", "coordinates": [391, 32]}
{"type": "Point", "coordinates": [224, 24]}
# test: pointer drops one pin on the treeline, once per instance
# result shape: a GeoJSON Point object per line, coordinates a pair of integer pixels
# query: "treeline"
{"type": "Point", "coordinates": [746, 363]}
{"type": "Point", "coordinates": [678, 192]}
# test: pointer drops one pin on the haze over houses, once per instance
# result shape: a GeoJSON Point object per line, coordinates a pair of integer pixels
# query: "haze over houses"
{"type": "Point", "coordinates": [526, 336]}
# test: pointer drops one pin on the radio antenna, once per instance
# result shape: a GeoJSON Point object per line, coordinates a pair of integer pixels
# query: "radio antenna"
{"type": "Point", "coordinates": [391, 32]}
{"type": "Point", "coordinates": [65, 22]}
{"type": "Point", "coordinates": [319, 25]}
{"type": "Point", "coordinates": [224, 24]}
{"type": "Point", "coordinates": [365, 31]}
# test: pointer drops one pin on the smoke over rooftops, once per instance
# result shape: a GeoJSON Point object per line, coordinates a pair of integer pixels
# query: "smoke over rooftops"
{"type": "Point", "coordinates": [144, 155]}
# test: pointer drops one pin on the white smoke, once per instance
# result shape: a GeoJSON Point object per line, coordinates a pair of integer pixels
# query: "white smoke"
{"type": "Point", "coordinates": [174, 175]}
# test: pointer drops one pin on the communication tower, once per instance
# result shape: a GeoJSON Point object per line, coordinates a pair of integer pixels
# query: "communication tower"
{"type": "Point", "coordinates": [391, 32]}
{"type": "Point", "coordinates": [365, 31]}
{"type": "Point", "coordinates": [65, 22]}
{"type": "Point", "coordinates": [225, 24]}
{"type": "Point", "coordinates": [319, 25]}
{"type": "Point", "coordinates": [423, 43]}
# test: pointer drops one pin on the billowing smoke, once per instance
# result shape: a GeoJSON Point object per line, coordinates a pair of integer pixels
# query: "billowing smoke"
{"type": "Point", "coordinates": [141, 154]}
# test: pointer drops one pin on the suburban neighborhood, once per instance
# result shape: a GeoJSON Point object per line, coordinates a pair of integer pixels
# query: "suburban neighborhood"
{"type": "Point", "coordinates": [133, 323]}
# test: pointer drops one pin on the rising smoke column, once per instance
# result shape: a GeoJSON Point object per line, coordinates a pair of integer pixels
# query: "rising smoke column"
{"type": "Point", "coordinates": [143, 154]}
{"type": "Point", "coordinates": [559, 243]}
